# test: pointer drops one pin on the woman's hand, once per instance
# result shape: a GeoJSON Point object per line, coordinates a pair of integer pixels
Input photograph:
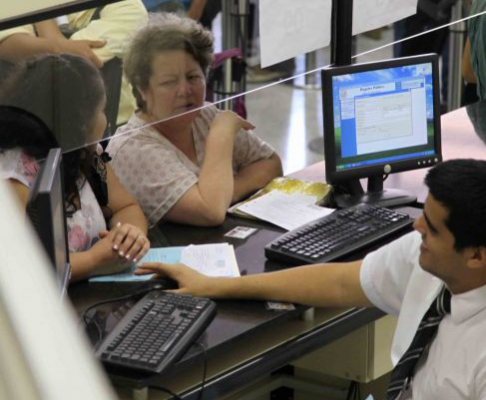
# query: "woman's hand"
{"type": "Point", "coordinates": [104, 259]}
{"type": "Point", "coordinates": [228, 121]}
{"type": "Point", "coordinates": [128, 241]}
{"type": "Point", "coordinates": [189, 280]}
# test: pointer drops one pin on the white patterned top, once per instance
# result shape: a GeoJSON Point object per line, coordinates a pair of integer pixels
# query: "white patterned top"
{"type": "Point", "coordinates": [158, 174]}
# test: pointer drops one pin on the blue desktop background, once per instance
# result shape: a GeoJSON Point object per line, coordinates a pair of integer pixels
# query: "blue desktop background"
{"type": "Point", "coordinates": [345, 131]}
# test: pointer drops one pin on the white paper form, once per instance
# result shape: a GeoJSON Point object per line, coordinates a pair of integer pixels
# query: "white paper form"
{"type": "Point", "coordinates": [211, 259]}
{"type": "Point", "coordinates": [289, 211]}
{"type": "Point", "coordinates": [373, 14]}
{"type": "Point", "coordinates": [289, 28]}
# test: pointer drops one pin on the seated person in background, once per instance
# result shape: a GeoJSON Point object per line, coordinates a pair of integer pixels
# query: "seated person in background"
{"type": "Point", "coordinates": [99, 35]}
{"type": "Point", "coordinates": [446, 255]}
{"type": "Point", "coordinates": [67, 94]}
{"type": "Point", "coordinates": [183, 163]}
{"type": "Point", "coordinates": [474, 58]}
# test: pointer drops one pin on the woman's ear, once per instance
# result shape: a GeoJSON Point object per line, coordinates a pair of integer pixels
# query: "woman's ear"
{"type": "Point", "coordinates": [142, 93]}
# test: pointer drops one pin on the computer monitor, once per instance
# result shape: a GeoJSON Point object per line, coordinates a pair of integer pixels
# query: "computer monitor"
{"type": "Point", "coordinates": [380, 118]}
{"type": "Point", "coordinates": [44, 354]}
{"type": "Point", "coordinates": [45, 208]}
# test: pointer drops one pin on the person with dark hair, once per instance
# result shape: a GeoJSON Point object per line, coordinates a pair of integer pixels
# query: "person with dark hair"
{"type": "Point", "coordinates": [96, 34]}
{"type": "Point", "coordinates": [184, 162]}
{"type": "Point", "coordinates": [433, 279]}
{"type": "Point", "coordinates": [58, 101]}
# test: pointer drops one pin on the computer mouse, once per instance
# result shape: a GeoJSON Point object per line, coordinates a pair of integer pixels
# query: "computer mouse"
{"type": "Point", "coordinates": [163, 284]}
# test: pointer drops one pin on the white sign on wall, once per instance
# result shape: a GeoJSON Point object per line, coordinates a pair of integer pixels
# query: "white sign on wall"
{"type": "Point", "coordinates": [373, 14]}
{"type": "Point", "coordinates": [289, 28]}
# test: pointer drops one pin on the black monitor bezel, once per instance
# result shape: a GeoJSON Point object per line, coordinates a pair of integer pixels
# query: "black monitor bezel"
{"type": "Point", "coordinates": [42, 202]}
{"type": "Point", "coordinates": [332, 175]}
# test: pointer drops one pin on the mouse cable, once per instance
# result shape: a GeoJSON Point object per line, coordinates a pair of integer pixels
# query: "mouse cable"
{"type": "Point", "coordinates": [87, 320]}
{"type": "Point", "coordinates": [165, 390]}
{"type": "Point", "coordinates": [205, 369]}
{"type": "Point", "coordinates": [203, 382]}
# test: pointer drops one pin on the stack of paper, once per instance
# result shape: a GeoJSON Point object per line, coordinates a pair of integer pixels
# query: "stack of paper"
{"type": "Point", "coordinates": [288, 211]}
{"type": "Point", "coordinates": [209, 259]}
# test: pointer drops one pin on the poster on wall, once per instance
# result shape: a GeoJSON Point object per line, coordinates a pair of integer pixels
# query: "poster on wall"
{"type": "Point", "coordinates": [289, 28]}
{"type": "Point", "coordinates": [373, 14]}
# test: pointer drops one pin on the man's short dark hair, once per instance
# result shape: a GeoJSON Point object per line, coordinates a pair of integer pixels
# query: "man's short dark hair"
{"type": "Point", "coordinates": [460, 186]}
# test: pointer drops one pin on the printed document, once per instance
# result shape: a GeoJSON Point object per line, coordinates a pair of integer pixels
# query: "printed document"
{"type": "Point", "coordinates": [209, 259]}
{"type": "Point", "coordinates": [289, 211]}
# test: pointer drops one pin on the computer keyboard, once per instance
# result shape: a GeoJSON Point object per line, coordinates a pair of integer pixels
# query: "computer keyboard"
{"type": "Point", "coordinates": [337, 234]}
{"type": "Point", "coordinates": [156, 332]}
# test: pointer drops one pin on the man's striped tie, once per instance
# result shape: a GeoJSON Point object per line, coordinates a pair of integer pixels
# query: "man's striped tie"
{"type": "Point", "coordinates": [403, 371]}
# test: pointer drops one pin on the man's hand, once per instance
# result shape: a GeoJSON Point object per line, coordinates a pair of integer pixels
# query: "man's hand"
{"type": "Point", "coordinates": [189, 280]}
{"type": "Point", "coordinates": [81, 48]}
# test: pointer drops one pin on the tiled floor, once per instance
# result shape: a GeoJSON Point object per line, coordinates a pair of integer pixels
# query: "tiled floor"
{"type": "Point", "coordinates": [290, 118]}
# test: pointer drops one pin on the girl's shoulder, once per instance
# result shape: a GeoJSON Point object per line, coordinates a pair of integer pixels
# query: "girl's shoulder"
{"type": "Point", "coordinates": [16, 164]}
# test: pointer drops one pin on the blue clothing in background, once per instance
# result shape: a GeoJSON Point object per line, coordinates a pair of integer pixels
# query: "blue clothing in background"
{"type": "Point", "coordinates": [172, 5]}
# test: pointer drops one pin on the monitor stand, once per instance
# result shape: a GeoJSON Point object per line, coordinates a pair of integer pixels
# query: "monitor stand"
{"type": "Point", "coordinates": [351, 193]}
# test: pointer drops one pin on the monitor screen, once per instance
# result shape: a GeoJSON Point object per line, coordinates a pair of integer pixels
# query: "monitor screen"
{"type": "Point", "coordinates": [46, 211]}
{"type": "Point", "coordinates": [381, 117]}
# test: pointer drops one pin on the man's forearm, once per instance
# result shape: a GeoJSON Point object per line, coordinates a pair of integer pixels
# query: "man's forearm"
{"type": "Point", "coordinates": [326, 285]}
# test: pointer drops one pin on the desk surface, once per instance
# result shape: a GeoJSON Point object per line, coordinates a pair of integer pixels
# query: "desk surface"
{"type": "Point", "coordinates": [245, 340]}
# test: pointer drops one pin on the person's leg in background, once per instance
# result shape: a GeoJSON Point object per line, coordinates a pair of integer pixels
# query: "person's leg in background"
{"type": "Point", "coordinates": [433, 42]}
{"type": "Point", "coordinates": [211, 10]}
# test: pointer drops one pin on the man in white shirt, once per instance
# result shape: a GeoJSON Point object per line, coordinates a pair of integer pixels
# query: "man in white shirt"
{"type": "Point", "coordinates": [402, 278]}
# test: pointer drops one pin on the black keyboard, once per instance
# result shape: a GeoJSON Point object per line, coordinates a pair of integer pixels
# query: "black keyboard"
{"type": "Point", "coordinates": [156, 332]}
{"type": "Point", "coordinates": [337, 234]}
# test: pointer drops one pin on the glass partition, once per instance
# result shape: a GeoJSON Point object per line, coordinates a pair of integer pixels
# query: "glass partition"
{"type": "Point", "coordinates": [299, 74]}
{"type": "Point", "coordinates": [282, 104]}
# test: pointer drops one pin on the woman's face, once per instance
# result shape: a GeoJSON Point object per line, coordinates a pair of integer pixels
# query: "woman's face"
{"type": "Point", "coordinates": [100, 122]}
{"type": "Point", "coordinates": [98, 127]}
{"type": "Point", "coordinates": [176, 86]}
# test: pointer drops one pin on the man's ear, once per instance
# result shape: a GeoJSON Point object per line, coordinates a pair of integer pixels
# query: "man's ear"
{"type": "Point", "coordinates": [476, 257]}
